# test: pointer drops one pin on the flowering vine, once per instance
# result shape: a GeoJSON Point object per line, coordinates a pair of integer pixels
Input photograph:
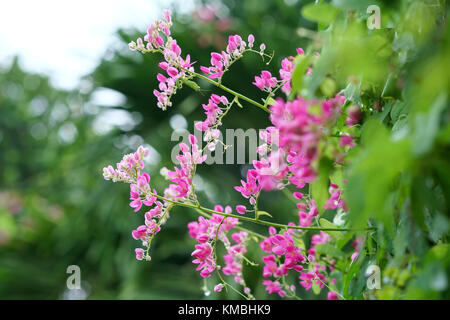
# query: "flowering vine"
{"type": "Point", "coordinates": [301, 134]}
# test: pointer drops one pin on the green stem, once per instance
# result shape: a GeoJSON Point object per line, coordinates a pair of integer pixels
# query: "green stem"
{"type": "Point", "coordinates": [221, 86]}
{"type": "Point", "coordinates": [253, 233]}
{"type": "Point", "coordinates": [267, 223]}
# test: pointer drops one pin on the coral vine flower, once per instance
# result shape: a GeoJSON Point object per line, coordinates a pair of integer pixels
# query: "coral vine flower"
{"type": "Point", "coordinates": [291, 150]}
{"type": "Point", "coordinates": [221, 61]}
{"type": "Point", "coordinates": [274, 287]}
{"type": "Point", "coordinates": [265, 82]}
{"type": "Point", "coordinates": [159, 39]}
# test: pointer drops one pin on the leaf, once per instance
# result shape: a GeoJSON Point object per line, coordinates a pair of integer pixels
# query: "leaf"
{"type": "Point", "coordinates": [270, 101]}
{"type": "Point", "coordinates": [328, 87]}
{"type": "Point", "coordinates": [263, 213]}
{"type": "Point", "coordinates": [353, 92]}
{"type": "Point", "coordinates": [301, 66]}
{"type": "Point", "coordinates": [315, 288]}
{"type": "Point", "coordinates": [319, 187]}
{"type": "Point", "coordinates": [354, 4]}
{"type": "Point", "coordinates": [371, 176]}
{"type": "Point", "coordinates": [323, 13]}
{"type": "Point", "coordinates": [324, 223]}
{"type": "Point", "coordinates": [398, 109]}
{"type": "Point", "coordinates": [299, 243]}
{"type": "Point", "coordinates": [355, 267]}
{"type": "Point", "coordinates": [337, 177]}
{"type": "Point", "coordinates": [192, 84]}
{"type": "Point", "coordinates": [322, 67]}
{"type": "Point", "coordinates": [328, 249]}
{"type": "Point", "coordinates": [386, 109]}
{"type": "Point", "coordinates": [426, 126]}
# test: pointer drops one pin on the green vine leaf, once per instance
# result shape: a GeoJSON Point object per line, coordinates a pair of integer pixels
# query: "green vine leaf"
{"type": "Point", "coordinates": [319, 187]}
{"type": "Point", "coordinates": [192, 84]}
{"type": "Point", "coordinates": [327, 224]}
{"type": "Point", "coordinates": [263, 213]}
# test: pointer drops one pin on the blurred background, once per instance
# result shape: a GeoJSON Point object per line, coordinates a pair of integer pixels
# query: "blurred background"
{"type": "Point", "coordinates": [74, 99]}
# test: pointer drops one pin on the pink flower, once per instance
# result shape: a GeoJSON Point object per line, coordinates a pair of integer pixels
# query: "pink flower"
{"type": "Point", "coordinates": [173, 72]}
{"type": "Point", "coordinates": [332, 296]}
{"type": "Point", "coordinates": [251, 40]}
{"type": "Point", "coordinates": [346, 141]}
{"type": "Point", "coordinates": [274, 287]}
{"type": "Point", "coordinates": [136, 204]}
{"type": "Point", "coordinates": [241, 209]}
{"type": "Point", "coordinates": [265, 82]}
{"type": "Point", "coordinates": [218, 287]}
{"type": "Point", "coordinates": [335, 200]}
{"type": "Point", "coordinates": [139, 253]}
{"type": "Point", "coordinates": [354, 115]}
{"type": "Point", "coordinates": [307, 280]}
{"type": "Point", "coordinates": [298, 195]}
{"type": "Point", "coordinates": [220, 61]}
{"type": "Point", "coordinates": [249, 187]}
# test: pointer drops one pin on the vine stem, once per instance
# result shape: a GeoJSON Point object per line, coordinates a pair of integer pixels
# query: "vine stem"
{"type": "Point", "coordinates": [221, 86]}
{"type": "Point", "coordinates": [258, 221]}
{"type": "Point", "coordinates": [217, 83]}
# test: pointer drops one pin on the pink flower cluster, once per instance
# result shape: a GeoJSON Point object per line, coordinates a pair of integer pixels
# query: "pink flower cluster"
{"type": "Point", "coordinates": [320, 238]}
{"type": "Point", "coordinates": [354, 115]}
{"type": "Point", "coordinates": [306, 212]}
{"type": "Point", "coordinates": [221, 61]}
{"type": "Point", "coordinates": [284, 257]}
{"type": "Point", "coordinates": [206, 232]}
{"type": "Point", "coordinates": [357, 244]}
{"type": "Point", "coordinates": [287, 67]}
{"type": "Point", "coordinates": [293, 141]}
{"type": "Point", "coordinates": [129, 170]}
{"type": "Point", "coordinates": [129, 167]}
{"type": "Point", "coordinates": [174, 65]}
{"type": "Point", "coordinates": [274, 287]}
{"type": "Point", "coordinates": [265, 82]}
{"type": "Point", "coordinates": [181, 187]}
{"type": "Point", "coordinates": [309, 278]}
{"type": "Point", "coordinates": [234, 256]}
{"type": "Point", "coordinates": [268, 172]}
{"type": "Point", "coordinates": [335, 200]}
{"type": "Point", "coordinates": [213, 112]}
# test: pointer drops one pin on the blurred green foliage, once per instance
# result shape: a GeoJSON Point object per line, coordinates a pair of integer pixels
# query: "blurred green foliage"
{"type": "Point", "coordinates": [56, 210]}
{"type": "Point", "coordinates": [398, 179]}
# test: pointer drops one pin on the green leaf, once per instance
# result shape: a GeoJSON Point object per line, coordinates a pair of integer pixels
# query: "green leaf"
{"type": "Point", "coordinates": [324, 223]}
{"type": "Point", "coordinates": [315, 288]}
{"type": "Point", "coordinates": [386, 109]}
{"type": "Point", "coordinates": [192, 84]}
{"type": "Point", "coordinates": [263, 213]}
{"type": "Point", "coordinates": [371, 176]}
{"type": "Point", "coordinates": [353, 92]}
{"type": "Point", "coordinates": [270, 101]}
{"type": "Point", "coordinates": [299, 243]}
{"type": "Point", "coordinates": [426, 126]}
{"type": "Point", "coordinates": [301, 66]}
{"type": "Point", "coordinates": [238, 103]}
{"type": "Point", "coordinates": [337, 177]}
{"type": "Point", "coordinates": [398, 109]}
{"type": "Point", "coordinates": [319, 187]}
{"type": "Point", "coordinates": [328, 87]}
{"type": "Point", "coordinates": [328, 249]}
{"type": "Point", "coordinates": [323, 13]}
